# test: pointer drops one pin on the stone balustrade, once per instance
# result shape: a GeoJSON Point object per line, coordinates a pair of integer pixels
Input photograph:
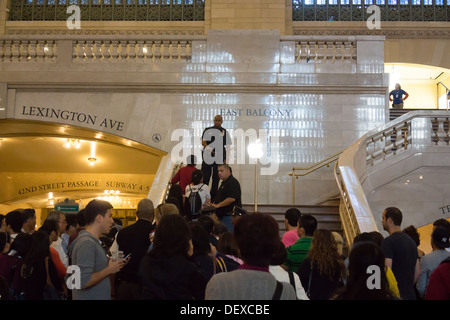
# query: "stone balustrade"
{"type": "Point", "coordinates": [91, 49]}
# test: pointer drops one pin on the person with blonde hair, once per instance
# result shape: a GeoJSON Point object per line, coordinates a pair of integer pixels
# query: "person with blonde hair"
{"type": "Point", "coordinates": [339, 242]}
{"type": "Point", "coordinates": [165, 209]}
{"type": "Point", "coordinates": [322, 271]}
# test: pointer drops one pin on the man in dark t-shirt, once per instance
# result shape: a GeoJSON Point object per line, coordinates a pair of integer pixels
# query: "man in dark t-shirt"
{"type": "Point", "coordinates": [214, 141]}
{"type": "Point", "coordinates": [400, 253]}
{"type": "Point", "coordinates": [228, 196]}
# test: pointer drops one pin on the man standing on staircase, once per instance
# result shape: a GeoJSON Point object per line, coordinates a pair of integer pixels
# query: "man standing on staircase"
{"type": "Point", "coordinates": [215, 140]}
{"type": "Point", "coordinates": [396, 96]}
{"type": "Point", "coordinates": [228, 196]}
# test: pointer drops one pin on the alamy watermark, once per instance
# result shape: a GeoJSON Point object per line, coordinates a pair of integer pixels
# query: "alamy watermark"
{"type": "Point", "coordinates": [374, 21]}
{"type": "Point", "coordinates": [74, 20]}
{"type": "Point", "coordinates": [73, 280]}
{"type": "Point", "coordinates": [374, 280]}
{"type": "Point", "coordinates": [237, 151]}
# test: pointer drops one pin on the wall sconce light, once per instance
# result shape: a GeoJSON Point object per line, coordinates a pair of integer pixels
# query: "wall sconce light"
{"type": "Point", "coordinates": [72, 143]}
{"type": "Point", "coordinates": [92, 160]}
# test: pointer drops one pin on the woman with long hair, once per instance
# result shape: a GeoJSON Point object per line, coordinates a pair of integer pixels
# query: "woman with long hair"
{"type": "Point", "coordinates": [35, 265]}
{"type": "Point", "coordinates": [175, 196]}
{"type": "Point", "coordinates": [362, 256]}
{"type": "Point", "coordinates": [166, 272]}
{"type": "Point", "coordinates": [322, 271]}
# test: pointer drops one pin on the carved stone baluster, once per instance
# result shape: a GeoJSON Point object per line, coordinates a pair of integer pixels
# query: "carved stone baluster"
{"type": "Point", "coordinates": [88, 51]}
{"type": "Point", "coordinates": [153, 50]}
{"type": "Point", "coordinates": [47, 52]}
{"type": "Point", "coordinates": [182, 50]}
{"type": "Point", "coordinates": [316, 52]}
{"type": "Point", "coordinates": [446, 129]}
{"type": "Point", "coordinates": [7, 53]}
{"type": "Point", "coordinates": [114, 51]}
{"type": "Point", "coordinates": [139, 50]}
{"type": "Point", "coordinates": [23, 51]}
{"type": "Point", "coordinates": [40, 54]}
{"type": "Point", "coordinates": [75, 49]}
{"type": "Point", "coordinates": [188, 52]}
{"type": "Point", "coordinates": [31, 50]}
{"type": "Point", "coordinates": [2, 50]}
{"type": "Point", "coordinates": [352, 50]}
{"type": "Point", "coordinates": [298, 52]}
{"type": "Point", "coordinates": [332, 51]}
{"type": "Point", "coordinates": [97, 50]}
{"type": "Point", "coordinates": [404, 134]}
{"type": "Point", "coordinates": [435, 129]}
{"type": "Point", "coordinates": [15, 51]}
{"type": "Point", "coordinates": [170, 48]}
{"type": "Point", "coordinates": [54, 50]}
{"type": "Point", "coordinates": [106, 51]}
{"type": "Point", "coordinates": [131, 53]}
{"type": "Point", "coordinates": [122, 50]}
{"type": "Point", "coordinates": [162, 49]}
{"type": "Point", "coordinates": [394, 139]}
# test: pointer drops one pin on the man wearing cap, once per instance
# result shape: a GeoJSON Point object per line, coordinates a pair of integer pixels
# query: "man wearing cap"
{"type": "Point", "coordinates": [133, 240]}
{"type": "Point", "coordinates": [440, 240]}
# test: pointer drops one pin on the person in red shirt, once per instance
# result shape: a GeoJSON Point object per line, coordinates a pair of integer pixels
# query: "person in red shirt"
{"type": "Point", "coordinates": [439, 283]}
{"type": "Point", "coordinates": [184, 175]}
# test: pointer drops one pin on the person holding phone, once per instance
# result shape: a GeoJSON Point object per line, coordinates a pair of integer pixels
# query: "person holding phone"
{"type": "Point", "coordinates": [87, 253]}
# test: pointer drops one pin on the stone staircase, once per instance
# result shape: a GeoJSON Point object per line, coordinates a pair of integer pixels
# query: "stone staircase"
{"type": "Point", "coordinates": [395, 113]}
{"type": "Point", "coordinates": [326, 214]}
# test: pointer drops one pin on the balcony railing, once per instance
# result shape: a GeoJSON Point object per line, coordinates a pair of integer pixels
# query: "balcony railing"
{"type": "Point", "coordinates": [109, 10]}
{"type": "Point", "coordinates": [294, 50]}
{"type": "Point", "coordinates": [414, 132]}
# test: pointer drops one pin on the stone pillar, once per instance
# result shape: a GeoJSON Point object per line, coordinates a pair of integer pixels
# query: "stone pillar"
{"type": "Point", "coordinates": [249, 14]}
{"type": "Point", "coordinates": [3, 15]}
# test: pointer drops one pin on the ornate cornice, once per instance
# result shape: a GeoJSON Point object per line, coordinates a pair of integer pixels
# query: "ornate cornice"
{"type": "Point", "coordinates": [196, 31]}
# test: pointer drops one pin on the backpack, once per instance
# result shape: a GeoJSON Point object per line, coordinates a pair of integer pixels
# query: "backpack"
{"type": "Point", "coordinates": [194, 203]}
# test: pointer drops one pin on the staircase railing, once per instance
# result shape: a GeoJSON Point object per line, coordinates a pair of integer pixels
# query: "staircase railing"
{"type": "Point", "coordinates": [310, 169]}
{"type": "Point", "coordinates": [376, 146]}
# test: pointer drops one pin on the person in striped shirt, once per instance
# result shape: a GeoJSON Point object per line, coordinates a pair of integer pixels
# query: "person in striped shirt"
{"type": "Point", "coordinates": [297, 252]}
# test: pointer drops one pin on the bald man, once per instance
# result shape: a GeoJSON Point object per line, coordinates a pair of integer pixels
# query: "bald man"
{"type": "Point", "coordinates": [215, 140]}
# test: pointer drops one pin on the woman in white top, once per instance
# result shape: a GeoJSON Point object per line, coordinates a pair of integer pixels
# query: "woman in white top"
{"type": "Point", "coordinates": [197, 185]}
{"type": "Point", "coordinates": [284, 276]}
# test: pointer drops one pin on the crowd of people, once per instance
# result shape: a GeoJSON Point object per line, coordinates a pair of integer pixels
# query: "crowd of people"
{"type": "Point", "coordinates": [199, 244]}
{"type": "Point", "coordinates": [166, 255]}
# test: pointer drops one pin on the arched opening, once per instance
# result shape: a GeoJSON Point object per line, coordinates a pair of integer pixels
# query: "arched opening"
{"type": "Point", "coordinates": [42, 164]}
{"type": "Point", "coordinates": [426, 85]}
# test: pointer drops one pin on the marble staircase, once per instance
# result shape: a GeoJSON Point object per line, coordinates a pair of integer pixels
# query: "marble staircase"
{"type": "Point", "coordinates": [395, 113]}
{"type": "Point", "coordinates": [327, 214]}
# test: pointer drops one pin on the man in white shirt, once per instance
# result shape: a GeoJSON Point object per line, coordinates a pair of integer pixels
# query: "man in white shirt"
{"type": "Point", "coordinates": [59, 217]}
